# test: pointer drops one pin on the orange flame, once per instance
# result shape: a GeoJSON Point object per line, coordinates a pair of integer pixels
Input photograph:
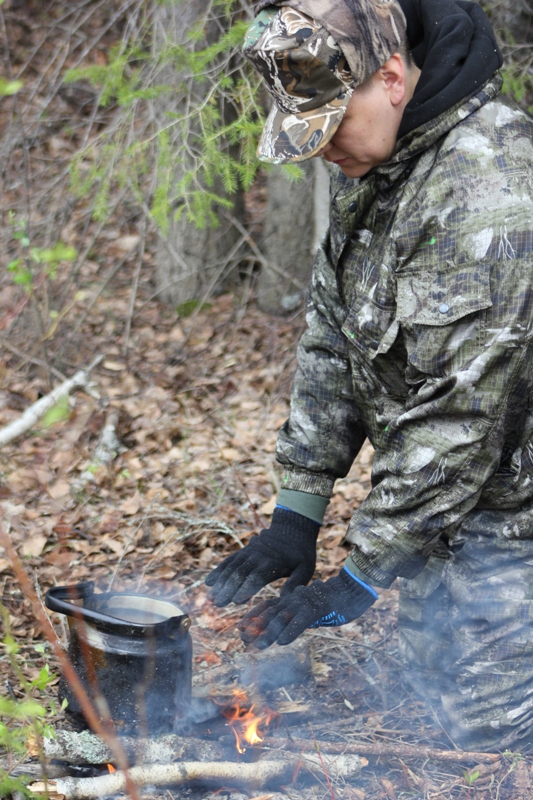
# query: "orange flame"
{"type": "Point", "coordinates": [111, 768]}
{"type": "Point", "coordinates": [244, 722]}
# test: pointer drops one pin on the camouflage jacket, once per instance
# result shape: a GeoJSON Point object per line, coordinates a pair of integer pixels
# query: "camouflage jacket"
{"type": "Point", "coordinates": [419, 336]}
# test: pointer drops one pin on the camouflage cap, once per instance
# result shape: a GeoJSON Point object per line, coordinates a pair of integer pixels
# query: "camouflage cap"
{"type": "Point", "coordinates": [311, 76]}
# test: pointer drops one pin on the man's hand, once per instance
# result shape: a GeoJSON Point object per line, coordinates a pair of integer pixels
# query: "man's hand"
{"type": "Point", "coordinates": [335, 602]}
{"type": "Point", "coordinates": [286, 550]}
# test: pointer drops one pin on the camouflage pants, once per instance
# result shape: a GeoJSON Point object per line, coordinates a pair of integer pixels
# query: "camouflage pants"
{"type": "Point", "coordinates": [466, 630]}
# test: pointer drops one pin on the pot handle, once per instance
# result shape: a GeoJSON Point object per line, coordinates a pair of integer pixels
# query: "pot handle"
{"type": "Point", "coordinates": [56, 599]}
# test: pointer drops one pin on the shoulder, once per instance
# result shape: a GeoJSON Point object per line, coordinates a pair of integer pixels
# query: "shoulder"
{"type": "Point", "coordinates": [497, 137]}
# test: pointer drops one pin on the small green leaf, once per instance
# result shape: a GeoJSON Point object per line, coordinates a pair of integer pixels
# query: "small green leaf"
{"type": "Point", "coordinates": [188, 308]}
{"type": "Point", "coordinates": [8, 88]}
{"type": "Point", "coordinates": [58, 413]}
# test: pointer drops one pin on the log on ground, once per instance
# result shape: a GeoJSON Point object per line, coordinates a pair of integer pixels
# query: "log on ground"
{"type": "Point", "coordinates": [254, 775]}
{"type": "Point", "coordinates": [86, 748]}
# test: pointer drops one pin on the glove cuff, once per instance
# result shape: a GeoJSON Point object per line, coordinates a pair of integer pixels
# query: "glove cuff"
{"type": "Point", "coordinates": [345, 573]}
{"type": "Point", "coordinates": [293, 526]}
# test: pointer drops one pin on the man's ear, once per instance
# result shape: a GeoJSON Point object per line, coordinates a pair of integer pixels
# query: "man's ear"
{"type": "Point", "coordinates": [393, 76]}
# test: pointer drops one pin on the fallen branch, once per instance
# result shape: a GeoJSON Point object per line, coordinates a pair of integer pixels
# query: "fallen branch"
{"type": "Point", "coordinates": [36, 770]}
{"type": "Point", "coordinates": [225, 772]}
{"type": "Point", "coordinates": [86, 748]}
{"type": "Point", "coordinates": [105, 452]}
{"type": "Point", "coordinates": [409, 751]}
{"type": "Point", "coordinates": [35, 412]}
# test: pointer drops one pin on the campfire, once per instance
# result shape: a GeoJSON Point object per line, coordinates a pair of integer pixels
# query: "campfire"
{"type": "Point", "coordinates": [246, 724]}
{"type": "Point", "coordinates": [203, 755]}
{"type": "Point", "coordinates": [260, 752]}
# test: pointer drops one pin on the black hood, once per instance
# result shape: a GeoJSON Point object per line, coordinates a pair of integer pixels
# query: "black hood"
{"type": "Point", "coordinates": [453, 43]}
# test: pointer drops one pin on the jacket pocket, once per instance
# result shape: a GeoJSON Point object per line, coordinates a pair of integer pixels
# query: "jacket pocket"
{"type": "Point", "coordinates": [441, 317]}
{"type": "Point", "coordinates": [440, 298]}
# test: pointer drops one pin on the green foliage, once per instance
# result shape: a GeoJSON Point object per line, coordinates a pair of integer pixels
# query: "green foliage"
{"type": "Point", "coordinates": [188, 308]}
{"type": "Point", "coordinates": [33, 260]}
{"type": "Point", "coordinates": [8, 88]}
{"type": "Point", "coordinates": [27, 717]}
{"type": "Point", "coordinates": [202, 148]}
{"type": "Point", "coordinates": [470, 777]}
{"type": "Point", "coordinates": [518, 84]}
{"type": "Point", "coordinates": [58, 413]}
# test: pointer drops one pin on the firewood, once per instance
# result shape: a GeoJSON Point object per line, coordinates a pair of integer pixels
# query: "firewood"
{"type": "Point", "coordinates": [86, 748]}
{"type": "Point", "coordinates": [388, 750]}
{"type": "Point", "coordinates": [33, 769]}
{"type": "Point", "coordinates": [252, 775]}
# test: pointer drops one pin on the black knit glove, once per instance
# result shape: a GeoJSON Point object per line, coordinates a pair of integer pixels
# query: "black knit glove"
{"type": "Point", "coordinates": [286, 550]}
{"type": "Point", "coordinates": [335, 602]}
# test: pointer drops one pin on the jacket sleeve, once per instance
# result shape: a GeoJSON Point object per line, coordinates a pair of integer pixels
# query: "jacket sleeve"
{"type": "Point", "coordinates": [323, 434]}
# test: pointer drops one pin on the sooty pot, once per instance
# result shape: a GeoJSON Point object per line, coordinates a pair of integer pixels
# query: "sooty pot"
{"type": "Point", "coordinates": [132, 650]}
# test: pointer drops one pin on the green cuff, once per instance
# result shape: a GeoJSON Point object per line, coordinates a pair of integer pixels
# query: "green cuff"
{"type": "Point", "coordinates": [312, 506]}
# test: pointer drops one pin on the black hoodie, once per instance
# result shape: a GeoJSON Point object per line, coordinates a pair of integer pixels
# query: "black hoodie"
{"type": "Point", "coordinates": [453, 43]}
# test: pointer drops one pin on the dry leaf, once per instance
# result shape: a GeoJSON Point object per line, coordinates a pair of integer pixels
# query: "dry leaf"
{"type": "Point", "coordinates": [59, 490]}
{"type": "Point", "coordinates": [112, 544]}
{"type": "Point", "coordinates": [22, 479]}
{"type": "Point", "coordinates": [176, 334]}
{"type": "Point", "coordinates": [230, 454]}
{"type": "Point", "coordinates": [114, 366]}
{"type": "Point", "coordinates": [268, 508]}
{"type": "Point", "coordinates": [127, 242]}
{"type": "Point", "coordinates": [200, 465]}
{"type": "Point", "coordinates": [388, 787]}
{"type": "Point", "coordinates": [35, 545]}
{"type": "Point", "coordinates": [4, 564]}
{"type": "Point", "coordinates": [250, 405]}
{"type": "Point", "coordinates": [44, 476]}
{"type": "Point", "coordinates": [131, 505]}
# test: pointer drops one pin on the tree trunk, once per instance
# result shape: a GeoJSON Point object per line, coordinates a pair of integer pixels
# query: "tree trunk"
{"type": "Point", "coordinates": [296, 219]}
{"type": "Point", "coordinates": [192, 262]}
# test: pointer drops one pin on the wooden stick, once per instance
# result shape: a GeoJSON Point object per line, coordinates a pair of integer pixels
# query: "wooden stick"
{"type": "Point", "coordinates": [106, 450]}
{"type": "Point", "coordinates": [252, 775]}
{"type": "Point", "coordinates": [37, 411]}
{"type": "Point", "coordinates": [410, 751]}
{"type": "Point", "coordinates": [86, 748]}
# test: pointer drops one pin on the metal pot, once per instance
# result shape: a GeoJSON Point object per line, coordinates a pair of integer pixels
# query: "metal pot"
{"type": "Point", "coordinates": [134, 651]}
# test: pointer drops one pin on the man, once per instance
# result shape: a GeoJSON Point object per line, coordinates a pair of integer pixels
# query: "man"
{"type": "Point", "coordinates": [419, 337]}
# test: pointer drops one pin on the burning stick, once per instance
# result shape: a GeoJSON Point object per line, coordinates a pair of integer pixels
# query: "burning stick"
{"type": "Point", "coordinates": [252, 775]}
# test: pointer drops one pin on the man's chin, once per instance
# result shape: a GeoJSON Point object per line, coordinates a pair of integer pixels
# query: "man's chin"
{"type": "Point", "coordinates": [354, 170]}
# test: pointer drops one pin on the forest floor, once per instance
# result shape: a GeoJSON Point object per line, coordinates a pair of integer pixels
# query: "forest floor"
{"type": "Point", "coordinates": [196, 403]}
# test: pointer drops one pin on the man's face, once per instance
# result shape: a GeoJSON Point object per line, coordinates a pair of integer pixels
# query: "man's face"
{"type": "Point", "coordinates": [366, 136]}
